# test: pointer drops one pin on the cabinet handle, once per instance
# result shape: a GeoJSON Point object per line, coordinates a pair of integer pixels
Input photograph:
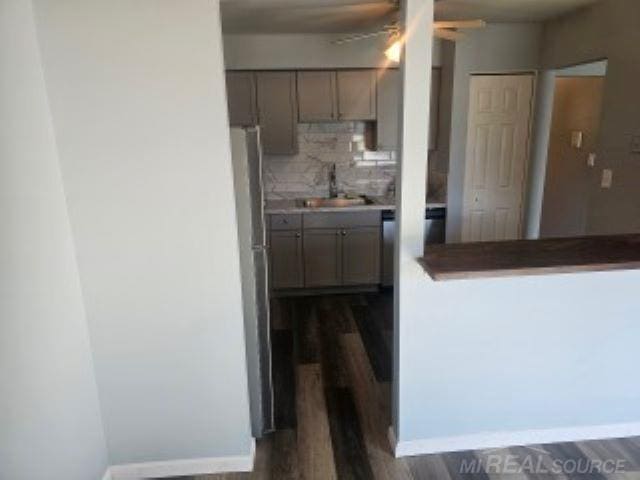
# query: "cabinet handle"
{"type": "Point", "coordinates": [343, 233]}
{"type": "Point", "coordinates": [298, 235]}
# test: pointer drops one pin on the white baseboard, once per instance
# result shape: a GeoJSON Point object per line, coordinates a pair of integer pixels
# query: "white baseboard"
{"type": "Point", "coordinates": [179, 468]}
{"type": "Point", "coordinates": [484, 441]}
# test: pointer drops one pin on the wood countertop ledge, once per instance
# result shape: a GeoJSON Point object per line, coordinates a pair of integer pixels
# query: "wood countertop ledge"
{"type": "Point", "coordinates": [532, 257]}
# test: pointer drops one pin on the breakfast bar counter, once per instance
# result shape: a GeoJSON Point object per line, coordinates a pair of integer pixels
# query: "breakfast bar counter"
{"type": "Point", "coordinates": [532, 257]}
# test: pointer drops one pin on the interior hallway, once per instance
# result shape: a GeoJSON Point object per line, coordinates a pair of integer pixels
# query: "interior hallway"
{"type": "Point", "coordinates": [332, 370]}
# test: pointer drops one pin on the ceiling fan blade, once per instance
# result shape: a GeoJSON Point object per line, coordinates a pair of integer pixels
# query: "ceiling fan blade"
{"type": "Point", "coordinates": [447, 34]}
{"type": "Point", "coordinates": [360, 36]}
{"type": "Point", "coordinates": [460, 24]}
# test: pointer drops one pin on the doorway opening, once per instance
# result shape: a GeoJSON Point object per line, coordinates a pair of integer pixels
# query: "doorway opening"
{"type": "Point", "coordinates": [572, 152]}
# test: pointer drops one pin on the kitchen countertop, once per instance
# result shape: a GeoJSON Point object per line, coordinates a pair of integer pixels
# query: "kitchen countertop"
{"type": "Point", "coordinates": [379, 203]}
{"type": "Point", "coordinates": [532, 257]}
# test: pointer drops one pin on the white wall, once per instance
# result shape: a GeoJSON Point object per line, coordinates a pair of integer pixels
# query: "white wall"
{"type": "Point", "coordinates": [50, 424]}
{"type": "Point", "coordinates": [292, 51]}
{"type": "Point", "coordinates": [520, 354]}
{"type": "Point", "coordinates": [138, 100]}
{"type": "Point", "coordinates": [499, 48]}
{"type": "Point", "coordinates": [608, 29]}
{"type": "Point", "coordinates": [479, 363]}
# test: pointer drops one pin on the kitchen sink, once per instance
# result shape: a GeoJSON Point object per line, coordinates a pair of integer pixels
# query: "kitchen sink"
{"type": "Point", "coordinates": [336, 202]}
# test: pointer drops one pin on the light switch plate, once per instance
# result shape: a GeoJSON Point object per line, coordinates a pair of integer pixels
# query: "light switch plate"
{"type": "Point", "coordinates": [591, 160]}
{"type": "Point", "coordinates": [576, 139]}
{"type": "Point", "coordinates": [607, 178]}
{"type": "Point", "coordinates": [635, 144]}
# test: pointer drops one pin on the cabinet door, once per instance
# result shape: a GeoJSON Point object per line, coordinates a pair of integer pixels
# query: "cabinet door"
{"type": "Point", "coordinates": [389, 99]}
{"type": "Point", "coordinates": [322, 258]}
{"type": "Point", "coordinates": [241, 99]}
{"type": "Point", "coordinates": [356, 94]}
{"type": "Point", "coordinates": [361, 256]}
{"type": "Point", "coordinates": [286, 259]}
{"type": "Point", "coordinates": [277, 112]}
{"type": "Point", "coordinates": [317, 99]}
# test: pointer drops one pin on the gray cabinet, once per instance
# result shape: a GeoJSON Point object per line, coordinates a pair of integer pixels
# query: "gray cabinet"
{"type": "Point", "coordinates": [241, 99]}
{"type": "Point", "coordinates": [317, 250]}
{"type": "Point", "coordinates": [317, 98]}
{"type": "Point", "coordinates": [356, 94]}
{"type": "Point", "coordinates": [389, 100]}
{"type": "Point", "coordinates": [389, 103]}
{"type": "Point", "coordinates": [342, 248]}
{"type": "Point", "coordinates": [322, 258]}
{"type": "Point", "coordinates": [277, 112]}
{"type": "Point", "coordinates": [361, 256]}
{"type": "Point", "coordinates": [285, 260]}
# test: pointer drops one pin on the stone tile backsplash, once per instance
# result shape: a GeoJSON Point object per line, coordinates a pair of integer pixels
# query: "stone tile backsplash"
{"type": "Point", "coordinates": [306, 174]}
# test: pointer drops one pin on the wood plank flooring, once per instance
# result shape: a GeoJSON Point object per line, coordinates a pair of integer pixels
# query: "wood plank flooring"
{"type": "Point", "coordinates": [332, 369]}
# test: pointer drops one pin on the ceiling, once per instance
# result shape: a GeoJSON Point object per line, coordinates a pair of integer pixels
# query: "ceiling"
{"type": "Point", "coordinates": [506, 10]}
{"type": "Point", "coordinates": [304, 16]}
{"type": "Point", "coordinates": [341, 16]}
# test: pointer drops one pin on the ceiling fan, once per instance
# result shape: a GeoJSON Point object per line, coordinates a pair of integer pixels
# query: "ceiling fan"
{"type": "Point", "coordinates": [446, 30]}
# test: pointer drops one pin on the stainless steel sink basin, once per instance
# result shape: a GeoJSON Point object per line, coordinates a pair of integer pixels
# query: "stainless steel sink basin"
{"type": "Point", "coordinates": [338, 202]}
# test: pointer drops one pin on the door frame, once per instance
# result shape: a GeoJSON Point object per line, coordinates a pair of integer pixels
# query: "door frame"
{"type": "Point", "coordinates": [530, 130]}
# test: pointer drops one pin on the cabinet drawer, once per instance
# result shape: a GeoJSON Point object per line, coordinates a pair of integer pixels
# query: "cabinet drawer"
{"type": "Point", "coordinates": [286, 222]}
{"type": "Point", "coordinates": [342, 219]}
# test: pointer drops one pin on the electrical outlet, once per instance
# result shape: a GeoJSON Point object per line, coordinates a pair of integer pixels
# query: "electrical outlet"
{"type": "Point", "coordinates": [591, 160]}
{"type": "Point", "coordinates": [607, 178]}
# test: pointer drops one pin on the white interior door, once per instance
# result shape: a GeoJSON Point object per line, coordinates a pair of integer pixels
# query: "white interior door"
{"type": "Point", "coordinates": [496, 159]}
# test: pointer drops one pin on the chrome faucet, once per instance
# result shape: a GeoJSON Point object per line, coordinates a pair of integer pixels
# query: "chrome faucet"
{"type": "Point", "coordinates": [333, 184]}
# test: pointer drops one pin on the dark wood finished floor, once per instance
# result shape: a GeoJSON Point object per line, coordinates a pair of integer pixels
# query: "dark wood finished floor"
{"type": "Point", "coordinates": [332, 372]}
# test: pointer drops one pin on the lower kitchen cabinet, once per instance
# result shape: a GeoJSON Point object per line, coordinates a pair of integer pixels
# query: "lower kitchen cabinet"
{"type": "Point", "coordinates": [286, 262]}
{"type": "Point", "coordinates": [322, 258]}
{"type": "Point", "coordinates": [361, 256]}
{"type": "Point", "coordinates": [319, 250]}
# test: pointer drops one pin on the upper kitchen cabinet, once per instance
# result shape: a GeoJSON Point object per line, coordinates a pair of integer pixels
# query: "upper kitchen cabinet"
{"type": "Point", "coordinates": [389, 101]}
{"type": "Point", "coordinates": [389, 98]}
{"type": "Point", "coordinates": [277, 112]}
{"type": "Point", "coordinates": [241, 99]}
{"type": "Point", "coordinates": [356, 94]}
{"type": "Point", "coordinates": [317, 96]}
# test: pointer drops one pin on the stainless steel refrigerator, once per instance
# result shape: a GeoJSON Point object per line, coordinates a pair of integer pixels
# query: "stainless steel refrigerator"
{"type": "Point", "coordinates": [247, 173]}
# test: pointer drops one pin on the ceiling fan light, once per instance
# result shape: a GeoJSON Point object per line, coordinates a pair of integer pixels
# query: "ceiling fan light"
{"type": "Point", "coordinates": [394, 52]}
